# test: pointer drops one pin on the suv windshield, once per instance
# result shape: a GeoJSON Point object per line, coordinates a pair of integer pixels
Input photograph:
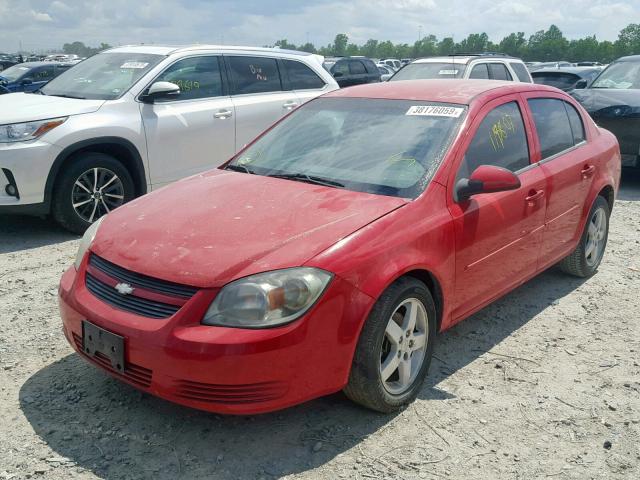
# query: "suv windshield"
{"type": "Point", "coordinates": [620, 75]}
{"type": "Point", "coordinates": [386, 147]}
{"type": "Point", "coordinates": [12, 74]}
{"type": "Point", "coordinates": [105, 76]}
{"type": "Point", "coordinates": [422, 71]}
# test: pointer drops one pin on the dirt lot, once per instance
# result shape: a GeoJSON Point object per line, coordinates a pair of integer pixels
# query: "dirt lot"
{"type": "Point", "coordinates": [545, 383]}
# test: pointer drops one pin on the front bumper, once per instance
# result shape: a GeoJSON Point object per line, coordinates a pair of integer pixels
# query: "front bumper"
{"type": "Point", "coordinates": [225, 370]}
{"type": "Point", "coordinates": [27, 164]}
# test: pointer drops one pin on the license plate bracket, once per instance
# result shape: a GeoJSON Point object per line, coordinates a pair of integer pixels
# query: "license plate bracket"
{"type": "Point", "coordinates": [98, 341]}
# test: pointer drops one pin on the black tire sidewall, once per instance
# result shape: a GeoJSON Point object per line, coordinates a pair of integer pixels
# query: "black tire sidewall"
{"type": "Point", "coordinates": [62, 208]}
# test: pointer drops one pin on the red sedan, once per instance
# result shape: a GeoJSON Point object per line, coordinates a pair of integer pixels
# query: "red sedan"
{"type": "Point", "coordinates": [328, 253]}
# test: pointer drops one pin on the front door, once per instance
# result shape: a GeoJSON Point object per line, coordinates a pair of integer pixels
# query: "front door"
{"type": "Point", "coordinates": [194, 131]}
{"type": "Point", "coordinates": [498, 235]}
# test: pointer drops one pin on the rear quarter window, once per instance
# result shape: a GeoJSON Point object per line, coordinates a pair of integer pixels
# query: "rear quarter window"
{"type": "Point", "coordinates": [521, 72]}
{"type": "Point", "coordinates": [498, 71]}
{"type": "Point", "coordinates": [302, 77]}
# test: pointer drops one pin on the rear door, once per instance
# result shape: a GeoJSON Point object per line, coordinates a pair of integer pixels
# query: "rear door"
{"type": "Point", "coordinates": [258, 95]}
{"type": "Point", "coordinates": [194, 131]}
{"type": "Point", "coordinates": [358, 72]}
{"type": "Point", "coordinates": [498, 235]}
{"type": "Point", "coordinates": [566, 161]}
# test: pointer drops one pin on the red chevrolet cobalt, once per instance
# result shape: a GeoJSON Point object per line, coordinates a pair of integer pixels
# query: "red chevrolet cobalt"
{"type": "Point", "coordinates": [329, 252]}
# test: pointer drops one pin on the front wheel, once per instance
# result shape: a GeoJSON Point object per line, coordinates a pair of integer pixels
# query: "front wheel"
{"type": "Point", "coordinates": [394, 349]}
{"type": "Point", "coordinates": [93, 185]}
{"type": "Point", "coordinates": [585, 259]}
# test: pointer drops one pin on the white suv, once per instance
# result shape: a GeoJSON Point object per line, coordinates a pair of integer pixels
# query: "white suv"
{"type": "Point", "coordinates": [480, 66]}
{"type": "Point", "coordinates": [132, 119]}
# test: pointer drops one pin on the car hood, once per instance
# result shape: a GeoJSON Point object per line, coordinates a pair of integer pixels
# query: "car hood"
{"type": "Point", "coordinates": [210, 229]}
{"type": "Point", "coordinates": [27, 107]}
{"type": "Point", "coordinates": [607, 102]}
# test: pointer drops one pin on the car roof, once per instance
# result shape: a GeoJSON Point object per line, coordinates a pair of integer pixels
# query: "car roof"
{"type": "Point", "coordinates": [464, 59]}
{"type": "Point", "coordinates": [629, 58]}
{"type": "Point", "coordinates": [574, 70]}
{"type": "Point", "coordinates": [448, 90]}
{"type": "Point", "coordinates": [171, 49]}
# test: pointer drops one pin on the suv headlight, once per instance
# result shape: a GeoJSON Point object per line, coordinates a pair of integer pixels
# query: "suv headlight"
{"type": "Point", "coordinates": [86, 241]}
{"type": "Point", "coordinates": [267, 299]}
{"type": "Point", "coordinates": [21, 132]}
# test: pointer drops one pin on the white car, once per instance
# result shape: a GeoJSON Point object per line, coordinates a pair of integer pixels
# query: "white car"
{"type": "Point", "coordinates": [479, 66]}
{"type": "Point", "coordinates": [392, 62]}
{"type": "Point", "coordinates": [132, 119]}
{"type": "Point", "coordinates": [386, 72]}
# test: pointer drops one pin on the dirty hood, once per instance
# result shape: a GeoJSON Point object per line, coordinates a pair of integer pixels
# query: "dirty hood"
{"type": "Point", "coordinates": [210, 229]}
{"type": "Point", "coordinates": [27, 107]}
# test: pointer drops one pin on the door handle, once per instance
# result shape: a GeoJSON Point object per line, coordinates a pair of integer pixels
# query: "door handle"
{"type": "Point", "coordinates": [533, 197]}
{"type": "Point", "coordinates": [290, 105]}
{"type": "Point", "coordinates": [588, 171]}
{"type": "Point", "coordinates": [223, 114]}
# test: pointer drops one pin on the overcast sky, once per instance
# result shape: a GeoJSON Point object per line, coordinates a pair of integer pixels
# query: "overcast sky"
{"type": "Point", "coordinates": [45, 24]}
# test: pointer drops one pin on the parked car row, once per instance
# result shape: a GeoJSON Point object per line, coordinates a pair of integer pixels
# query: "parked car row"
{"type": "Point", "coordinates": [30, 76]}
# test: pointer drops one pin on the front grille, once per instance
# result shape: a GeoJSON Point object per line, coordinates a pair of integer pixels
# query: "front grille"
{"type": "Point", "coordinates": [166, 297]}
{"type": "Point", "coordinates": [134, 373]}
{"type": "Point", "coordinates": [229, 394]}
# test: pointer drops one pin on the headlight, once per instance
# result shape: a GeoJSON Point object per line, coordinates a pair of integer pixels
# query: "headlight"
{"type": "Point", "coordinates": [21, 132]}
{"type": "Point", "coordinates": [86, 241]}
{"type": "Point", "coordinates": [267, 299]}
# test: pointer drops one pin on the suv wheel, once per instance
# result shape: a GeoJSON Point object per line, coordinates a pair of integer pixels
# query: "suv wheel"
{"type": "Point", "coordinates": [92, 186]}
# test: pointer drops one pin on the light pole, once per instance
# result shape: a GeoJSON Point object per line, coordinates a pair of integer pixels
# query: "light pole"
{"type": "Point", "coordinates": [419, 33]}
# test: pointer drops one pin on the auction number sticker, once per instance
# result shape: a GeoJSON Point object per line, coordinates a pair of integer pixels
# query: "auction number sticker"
{"type": "Point", "coordinates": [435, 111]}
{"type": "Point", "coordinates": [136, 65]}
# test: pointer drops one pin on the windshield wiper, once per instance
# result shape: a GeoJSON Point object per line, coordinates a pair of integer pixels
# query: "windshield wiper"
{"type": "Point", "coordinates": [66, 96]}
{"type": "Point", "coordinates": [303, 177]}
{"type": "Point", "coordinates": [239, 168]}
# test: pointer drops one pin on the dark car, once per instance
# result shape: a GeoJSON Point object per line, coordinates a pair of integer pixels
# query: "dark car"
{"type": "Point", "coordinates": [30, 76]}
{"type": "Point", "coordinates": [565, 78]}
{"type": "Point", "coordinates": [613, 101]}
{"type": "Point", "coordinates": [7, 61]}
{"type": "Point", "coordinates": [349, 71]}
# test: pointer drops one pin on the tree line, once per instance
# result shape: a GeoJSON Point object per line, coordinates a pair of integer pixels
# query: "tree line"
{"type": "Point", "coordinates": [544, 45]}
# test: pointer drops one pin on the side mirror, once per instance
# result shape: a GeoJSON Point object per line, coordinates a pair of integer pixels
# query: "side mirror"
{"type": "Point", "coordinates": [26, 81]}
{"type": "Point", "coordinates": [486, 179]}
{"type": "Point", "coordinates": [160, 90]}
{"type": "Point", "coordinates": [581, 84]}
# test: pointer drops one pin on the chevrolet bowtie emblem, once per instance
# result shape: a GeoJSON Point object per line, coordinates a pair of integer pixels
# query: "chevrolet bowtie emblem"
{"type": "Point", "coordinates": [124, 288]}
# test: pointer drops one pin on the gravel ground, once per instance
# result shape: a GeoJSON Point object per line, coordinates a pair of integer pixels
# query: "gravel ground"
{"type": "Point", "coordinates": [544, 383]}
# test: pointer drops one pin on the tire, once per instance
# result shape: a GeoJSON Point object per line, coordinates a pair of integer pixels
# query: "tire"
{"type": "Point", "coordinates": [366, 385]}
{"type": "Point", "coordinates": [75, 208]}
{"type": "Point", "coordinates": [583, 261]}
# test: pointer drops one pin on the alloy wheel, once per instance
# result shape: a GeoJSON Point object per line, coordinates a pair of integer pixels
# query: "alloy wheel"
{"type": "Point", "coordinates": [95, 193]}
{"type": "Point", "coordinates": [404, 346]}
{"type": "Point", "coordinates": [596, 233]}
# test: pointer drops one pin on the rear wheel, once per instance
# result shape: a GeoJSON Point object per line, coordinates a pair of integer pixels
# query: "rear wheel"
{"type": "Point", "coordinates": [586, 258]}
{"type": "Point", "coordinates": [394, 349]}
{"type": "Point", "coordinates": [92, 186]}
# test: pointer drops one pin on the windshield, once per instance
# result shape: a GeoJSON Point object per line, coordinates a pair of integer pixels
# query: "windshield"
{"type": "Point", "coordinates": [386, 147]}
{"type": "Point", "coordinates": [422, 71]}
{"type": "Point", "coordinates": [14, 73]}
{"type": "Point", "coordinates": [105, 76]}
{"type": "Point", "coordinates": [620, 75]}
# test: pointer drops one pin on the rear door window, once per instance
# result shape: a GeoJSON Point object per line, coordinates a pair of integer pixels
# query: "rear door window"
{"type": "Point", "coordinates": [479, 71]}
{"type": "Point", "coordinates": [577, 127]}
{"type": "Point", "coordinates": [356, 67]}
{"type": "Point", "coordinates": [500, 140]}
{"type": "Point", "coordinates": [499, 72]}
{"type": "Point", "coordinates": [301, 77]}
{"type": "Point", "coordinates": [552, 125]}
{"type": "Point", "coordinates": [254, 75]}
